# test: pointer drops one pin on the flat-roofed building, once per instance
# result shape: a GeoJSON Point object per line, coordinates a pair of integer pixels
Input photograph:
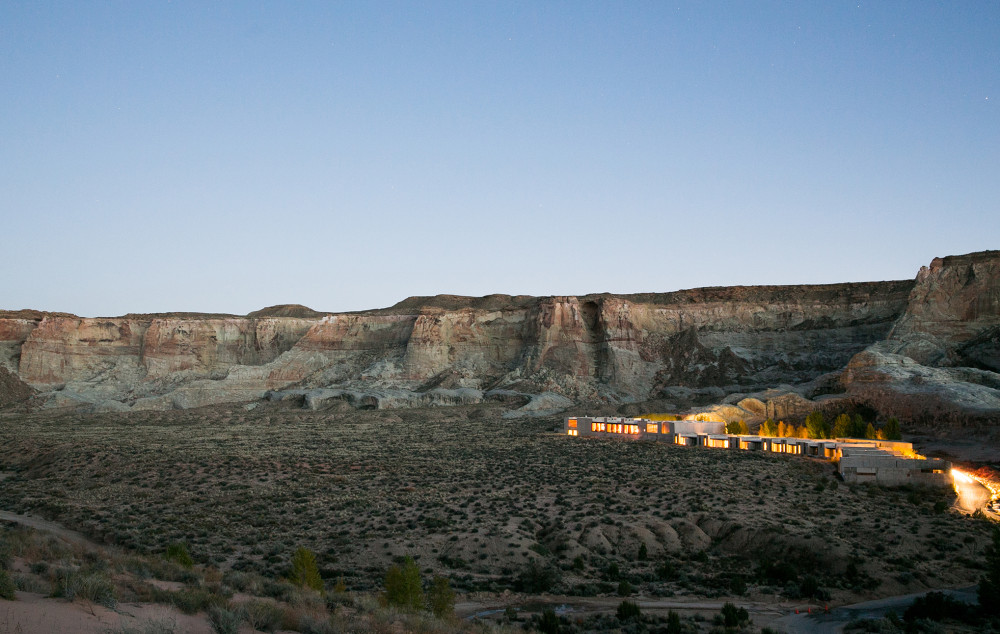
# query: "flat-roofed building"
{"type": "Point", "coordinates": [885, 462]}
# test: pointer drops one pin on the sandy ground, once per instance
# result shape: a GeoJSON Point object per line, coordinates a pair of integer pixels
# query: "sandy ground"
{"type": "Point", "coordinates": [49, 527]}
{"type": "Point", "coordinates": [37, 614]}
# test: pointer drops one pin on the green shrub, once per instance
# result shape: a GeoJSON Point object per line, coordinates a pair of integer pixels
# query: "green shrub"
{"type": "Point", "coordinates": [733, 616]}
{"type": "Point", "coordinates": [31, 583]}
{"type": "Point", "coordinates": [152, 626]}
{"type": "Point", "coordinates": [263, 615]}
{"type": "Point", "coordinates": [628, 611]}
{"type": "Point", "coordinates": [7, 587]}
{"type": "Point", "coordinates": [549, 622]}
{"type": "Point", "coordinates": [91, 585]}
{"type": "Point", "coordinates": [305, 574]}
{"type": "Point", "coordinates": [737, 585]}
{"type": "Point", "coordinates": [938, 606]}
{"type": "Point", "coordinates": [441, 598]}
{"type": "Point", "coordinates": [536, 577]}
{"type": "Point", "coordinates": [225, 620]}
{"type": "Point", "coordinates": [674, 623]}
{"type": "Point", "coordinates": [403, 586]}
{"type": "Point", "coordinates": [194, 600]}
{"type": "Point", "coordinates": [178, 553]}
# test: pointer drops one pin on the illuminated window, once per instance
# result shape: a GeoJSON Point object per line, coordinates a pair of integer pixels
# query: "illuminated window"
{"type": "Point", "coordinates": [572, 423]}
{"type": "Point", "coordinates": [651, 428]}
{"type": "Point", "coordinates": [572, 432]}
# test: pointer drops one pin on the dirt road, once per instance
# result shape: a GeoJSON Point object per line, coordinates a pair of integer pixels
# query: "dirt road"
{"type": "Point", "coordinates": [835, 620]}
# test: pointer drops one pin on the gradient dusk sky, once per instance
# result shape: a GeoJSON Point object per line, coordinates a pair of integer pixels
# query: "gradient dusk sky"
{"type": "Point", "coordinates": [223, 157]}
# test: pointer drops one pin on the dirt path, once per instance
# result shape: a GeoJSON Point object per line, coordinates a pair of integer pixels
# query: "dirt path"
{"type": "Point", "coordinates": [58, 530]}
{"type": "Point", "coordinates": [53, 528]}
{"type": "Point", "coordinates": [835, 620]}
{"type": "Point", "coordinates": [762, 613]}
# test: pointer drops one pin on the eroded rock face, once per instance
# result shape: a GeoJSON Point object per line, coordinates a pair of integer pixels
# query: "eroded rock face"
{"type": "Point", "coordinates": [940, 361]}
{"type": "Point", "coordinates": [61, 350]}
{"type": "Point", "coordinates": [13, 333]}
{"type": "Point", "coordinates": [953, 314]}
{"type": "Point", "coordinates": [685, 346]}
{"type": "Point", "coordinates": [209, 347]}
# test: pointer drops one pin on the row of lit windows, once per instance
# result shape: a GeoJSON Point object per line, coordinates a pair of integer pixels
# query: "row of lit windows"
{"type": "Point", "coordinates": [572, 432]}
{"type": "Point", "coordinates": [615, 428]}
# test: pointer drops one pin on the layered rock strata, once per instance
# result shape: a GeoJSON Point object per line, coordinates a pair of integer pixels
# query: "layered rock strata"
{"type": "Point", "coordinates": [821, 342]}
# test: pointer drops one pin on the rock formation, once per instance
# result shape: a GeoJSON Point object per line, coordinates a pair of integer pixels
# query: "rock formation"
{"type": "Point", "coordinates": [733, 344]}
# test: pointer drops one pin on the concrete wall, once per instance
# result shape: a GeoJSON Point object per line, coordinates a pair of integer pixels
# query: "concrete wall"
{"type": "Point", "coordinates": [889, 470]}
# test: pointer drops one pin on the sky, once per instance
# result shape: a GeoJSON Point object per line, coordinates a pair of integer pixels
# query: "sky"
{"type": "Point", "coordinates": [227, 156]}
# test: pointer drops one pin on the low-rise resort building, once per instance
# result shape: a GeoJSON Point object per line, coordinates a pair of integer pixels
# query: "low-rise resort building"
{"type": "Point", "coordinates": [885, 462]}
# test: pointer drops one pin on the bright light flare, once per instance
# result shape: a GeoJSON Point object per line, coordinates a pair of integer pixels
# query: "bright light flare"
{"type": "Point", "coordinates": [961, 476]}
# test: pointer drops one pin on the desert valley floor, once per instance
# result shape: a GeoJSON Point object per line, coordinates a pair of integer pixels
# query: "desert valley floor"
{"type": "Point", "coordinates": [496, 505]}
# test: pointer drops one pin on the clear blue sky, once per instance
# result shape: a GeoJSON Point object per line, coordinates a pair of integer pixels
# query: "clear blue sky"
{"type": "Point", "coordinates": [212, 156]}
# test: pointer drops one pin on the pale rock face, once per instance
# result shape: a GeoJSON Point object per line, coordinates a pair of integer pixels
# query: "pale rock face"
{"type": "Point", "coordinates": [696, 346]}
{"type": "Point", "coordinates": [63, 350]}
{"type": "Point", "coordinates": [13, 333]}
{"type": "Point", "coordinates": [211, 346]}
{"type": "Point", "coordinates": [953, 316]}
{"type": "Point", "coordinates": [940, 361]}
{"type": "Point", "coordinates": [900, 386]}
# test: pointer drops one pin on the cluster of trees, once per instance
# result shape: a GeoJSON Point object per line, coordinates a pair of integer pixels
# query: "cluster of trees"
{"type": "Point", "coordinates": [843, 426]}
{"type": "Point", "coordinates": [737, 427]}
{"type": "Point", "coordinates": [781, 430]}
{"type": "Point", "coordinates": [405, 589]}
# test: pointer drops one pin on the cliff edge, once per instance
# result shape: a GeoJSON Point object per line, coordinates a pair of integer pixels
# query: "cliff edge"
{"type": "Point", "coordinates": [725, 344]}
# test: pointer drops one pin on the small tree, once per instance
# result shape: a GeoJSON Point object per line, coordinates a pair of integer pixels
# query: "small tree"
{"type": "Point", "coordinates": [403, 586]}
{"type": "Point", "coordinates": [733, 427]}
{"type": "Point", "coordinates": [769, 428]}
{"type": "Point", "coordinates": [842, 426]}
{"type": "Point", "coordinates": [674, 623]}
{"type": "Point", "coordinates": [441, 598]}
{"type": "Point", "coordinates": [891, 429]}
{"type": "Point", "coordinates": [744, 428]}
{"type": "Point", "coordinates": [802, 432]}
{"type": "Point", "coordinates": [870, 432]}
{"type": "Point", "coordinates": [549, 622]}
{"type": "Point", "coordinates": [857, 426]}
{"type": "Point", "coordinates": [816, 424]}
{"type": "Point", "coordinates": [782, 429]}
{"type": "Point", "coordinates": [305, 574]}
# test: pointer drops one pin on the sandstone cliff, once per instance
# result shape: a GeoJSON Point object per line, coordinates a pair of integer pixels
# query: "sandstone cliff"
{"type": "Point", "coordinates": [941, 358]}
{"type": "Point", "coordinates": [682, 348]}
